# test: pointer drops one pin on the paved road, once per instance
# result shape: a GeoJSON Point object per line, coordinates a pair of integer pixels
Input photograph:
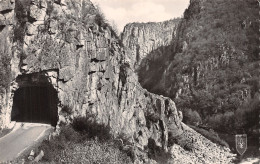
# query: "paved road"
{"type": "Point", "coordinates": [14, 143]}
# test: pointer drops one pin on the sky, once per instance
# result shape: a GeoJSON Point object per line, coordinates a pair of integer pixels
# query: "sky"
{"type": "Point", "coordinates": [121, 12]}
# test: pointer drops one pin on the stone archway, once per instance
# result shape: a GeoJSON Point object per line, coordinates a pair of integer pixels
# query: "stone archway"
{"type": "Point", "coordinates": [36, 100]}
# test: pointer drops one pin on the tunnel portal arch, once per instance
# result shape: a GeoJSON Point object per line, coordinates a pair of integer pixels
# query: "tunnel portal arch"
{"type": "Point", "coordinates": [35, 100]}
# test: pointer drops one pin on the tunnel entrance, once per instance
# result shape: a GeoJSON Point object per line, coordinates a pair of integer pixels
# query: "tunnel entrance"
{"type": "Point", "coordinates": [35, 100]}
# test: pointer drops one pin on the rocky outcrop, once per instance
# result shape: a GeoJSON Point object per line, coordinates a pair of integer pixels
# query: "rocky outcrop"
{"type": "Point", "coordinates": [86, 66]}
{"type": "Point", "coordinates": [143, 38]}
{"type": "Point", "coordinates": [6, 33]}
{"type": "Point", "coordinates": [92, 75]}
{"type": "Point", "coordinates": [200, 151]}
{"type": "Point", "coordinates": [209, 65]}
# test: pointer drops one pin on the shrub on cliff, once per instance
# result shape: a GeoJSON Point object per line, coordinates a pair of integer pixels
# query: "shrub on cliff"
{"type": "Point", "coordinates": [191, 117]}
{"type": "Point", "coordinates": [93, 14]}
{"type": "Point", "coordinates": [88, 126]}
{"type": "Point", "coordinates": [5, 71]}
{"type": "Point", "coordinates": [84, 141]}
{"type": "Point", "coordinates": [247, 115]}
{"type": "Point", "coordinates": [53, 147]}
{"type": "Point", "coordinates": [101, 21]}
{"type": "Point", "coordinates": [66, 109]}
{"type": "Point", "coordinates": [71, 146]}
{"type": "Point", "coordinates": [222, 122]}
{"type": "Point", "coordinates": [93, 151]}
{"type": "Point", "coordinates": [21, 13]}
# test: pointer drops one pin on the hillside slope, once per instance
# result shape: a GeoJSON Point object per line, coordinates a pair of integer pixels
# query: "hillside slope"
{"type": "Point", "coordinates": [212, 67]}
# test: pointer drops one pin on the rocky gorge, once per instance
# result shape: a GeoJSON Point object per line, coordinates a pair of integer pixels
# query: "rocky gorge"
{"type": "Point", "coordinates": [63, 45]}
{"type": "Point", "coordinates": [210, 66]}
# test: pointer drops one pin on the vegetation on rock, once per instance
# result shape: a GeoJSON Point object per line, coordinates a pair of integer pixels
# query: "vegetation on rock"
{"type": "Point", "coordinates": [72, 146]}
{"type": "Point", "coordinates": [83, 141]}
{"type": "Point", "coordinates": [94, 87]}
{"type": "Point", "coordinates": [213, 65]}
{"type": "Point", "coordinates": [5, 71]}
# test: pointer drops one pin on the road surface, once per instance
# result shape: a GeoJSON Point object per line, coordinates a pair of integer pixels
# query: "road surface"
{"type": "Point", "coordinates": [22, 137]}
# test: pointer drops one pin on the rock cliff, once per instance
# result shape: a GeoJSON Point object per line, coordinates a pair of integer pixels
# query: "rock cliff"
{"type": "Point", "coordinates": [211, 65]}
{"type": "Point", "coordinates": [66, 43]}
{"type": "Point", "coordinates": [143, 38]}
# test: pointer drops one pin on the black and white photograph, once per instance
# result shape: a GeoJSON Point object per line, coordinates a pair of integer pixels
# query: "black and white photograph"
{"type": "Point", "coordinates": [130, 81]}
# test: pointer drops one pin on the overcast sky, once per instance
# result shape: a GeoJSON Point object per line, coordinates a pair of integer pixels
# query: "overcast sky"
{"type": "Point", "coordinates": [126, 11]}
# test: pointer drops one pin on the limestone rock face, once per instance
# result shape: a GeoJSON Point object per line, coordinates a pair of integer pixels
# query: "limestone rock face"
{"type": "Point", "coordinates": [87, 67]}
{"type": "Point", "coordinates": [89, 70]}
{"type": "Point", "coordinates": [6, 33]}
{"type": "Point", "coordinates": [143, 38]}
{"type": "Point", "coordinates": [190, 63]}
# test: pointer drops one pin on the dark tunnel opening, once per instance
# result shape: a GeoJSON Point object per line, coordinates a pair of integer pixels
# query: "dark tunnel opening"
{"type": "Point", "coordinates": [35, 103]}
